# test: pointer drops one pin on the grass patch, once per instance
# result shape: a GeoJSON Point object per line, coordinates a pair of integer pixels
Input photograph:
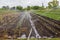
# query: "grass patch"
{"type": "Point", "coordinates": [54, 13]}
{"type": "Point", "coordinates": [3, 11]}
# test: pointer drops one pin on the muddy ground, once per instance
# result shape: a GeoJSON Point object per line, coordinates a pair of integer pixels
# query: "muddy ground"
{"type": "Point", "coordinates": [9, 26]}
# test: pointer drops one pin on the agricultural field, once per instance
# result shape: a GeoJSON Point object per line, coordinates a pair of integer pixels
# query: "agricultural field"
{"type": "Point", "coordinates": [10, 22]}
{"type": "Point", "coordinates": [6, 13]}
{"type": "Point", "coordinates": [21, 20]}
{"type": "Point", "coordinates": [51, 13]}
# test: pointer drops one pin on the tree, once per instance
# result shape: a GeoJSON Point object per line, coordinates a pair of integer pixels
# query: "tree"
{"type": "Point", "coordinates": [53, 4]}
{"type": "Point", "coordinates": [19, 7]}
{"type": "Point", "coordinates": [35, 7]}
{"type": "Point", "coordinates": [50, 5]}
{"type": "Point", "coordinates": [13, 8]}
{"type": "Point", "coordinates": [5, 7]}
{"type": "Point", "coordinates": [28, 7]}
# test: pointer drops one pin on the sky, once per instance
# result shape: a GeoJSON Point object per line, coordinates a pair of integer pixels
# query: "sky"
{"type": "Point", "coordinates": [24, 3]}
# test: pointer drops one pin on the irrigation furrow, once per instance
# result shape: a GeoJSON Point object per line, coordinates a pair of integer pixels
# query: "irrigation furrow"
{"type": "Point", "coordinates": [50, 22]}
{"type": "Point", "coordinates": [47, 24]}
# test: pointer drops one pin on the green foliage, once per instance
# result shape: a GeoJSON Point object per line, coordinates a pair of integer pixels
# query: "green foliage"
{"type": "Point", "coordinates": [19, 7]}
{"type": "Point", "coordinates": [42, 8]}
{"type": "Point", "coordinates": [5, 7]}
{"type": "Point", "coordinates": [28, 7]}
{"type": "Point", "coordinates": [35, 7]}
{"type": "Point", "coordinates": [13, 8]}
{"type": "Point", "coordinates": [50, 6]}
{"type": "Point", "coordinates": [53, 4]}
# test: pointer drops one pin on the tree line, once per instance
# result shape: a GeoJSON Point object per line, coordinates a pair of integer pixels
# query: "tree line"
{"type": "Point", "coordinates": [52, 4]}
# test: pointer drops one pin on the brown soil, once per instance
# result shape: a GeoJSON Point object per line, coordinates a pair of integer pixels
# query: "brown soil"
{"type": "Point", "coordinates": [44, 25]}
